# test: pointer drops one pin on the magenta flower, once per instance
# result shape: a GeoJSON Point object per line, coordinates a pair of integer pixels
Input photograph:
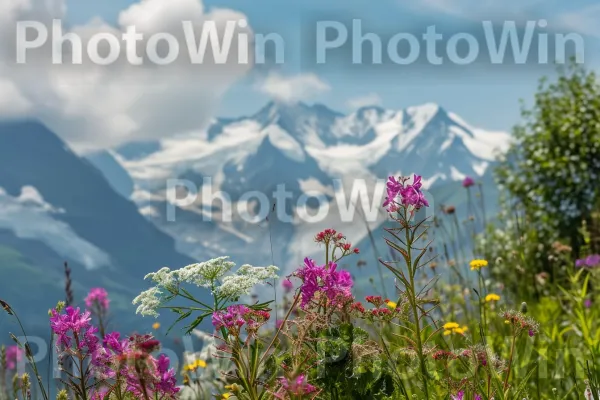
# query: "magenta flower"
{"type": "Point", "coordinates": [296, 387]}
{"type": "Point", "coordinates": [167, 383]}
{"type": "Point", "coordinates": [14, 354]}
{"type": "Point", "coordinates": [288, 286]}
{"type": "Point", "coordinates": [591, 261]}
{"type": "Point", "coordinates": [233, 317]}
{"type": "Point", "coordinates": [74, 326]}
{"type": "Point", "coordinates": [97, 297]}
{"type": "Point", "coordinates": [400, 191]}
{"type": "Point", "coordinates": [329, 281]}
{"type": "Point", "coordinates": [468, 182]}
{"type": "Point", "coordinates": [458, 396]}
{"type": "Point", "coordinates": [587, 303]}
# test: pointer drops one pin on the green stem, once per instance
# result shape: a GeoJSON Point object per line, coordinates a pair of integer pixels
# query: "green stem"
{"type": "Point", "coordinates": [413, 301]}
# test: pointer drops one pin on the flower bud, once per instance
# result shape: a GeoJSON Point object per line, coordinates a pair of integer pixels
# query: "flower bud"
{"type": "Point", "coordinates": [62, 395]}
{"type": "Point", "coordinates": [524, 308]}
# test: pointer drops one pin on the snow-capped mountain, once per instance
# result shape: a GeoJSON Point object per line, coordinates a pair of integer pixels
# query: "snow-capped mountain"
{"type": "Point", "coordinates": [304, 147]}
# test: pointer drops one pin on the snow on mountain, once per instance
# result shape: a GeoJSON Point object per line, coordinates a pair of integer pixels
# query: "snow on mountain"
{"type": "Point", "coordinates": [29, 216]}
{"type": "Point", "coordinates": [303, 147]}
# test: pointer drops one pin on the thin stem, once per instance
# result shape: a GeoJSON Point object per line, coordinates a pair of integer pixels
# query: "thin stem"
{"type": "Point", "coordinates": [413, 301]}
{"type": "Point", "coordinates": [510, 360]}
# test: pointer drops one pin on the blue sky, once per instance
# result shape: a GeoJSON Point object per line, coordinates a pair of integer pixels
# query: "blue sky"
{"type": "Point", "coordinates": [485, 95]}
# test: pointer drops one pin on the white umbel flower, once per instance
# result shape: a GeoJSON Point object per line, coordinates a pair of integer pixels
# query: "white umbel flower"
{"type": "Point", "coordinates": [204, 274]}
{"type": "Point", "coordinates": [148, 301]}
{"type": "Point", "coordinates": [242, 282]}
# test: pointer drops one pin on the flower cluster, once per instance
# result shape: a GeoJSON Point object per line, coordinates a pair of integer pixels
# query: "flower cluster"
{"type": "Point", "coordinates": [401, 192]}
{"type": "Point", "coordinates": [520, 322]}
{"type": "Point", "coordinates": [131, 361]}
{"type": "Point", "coordinates": [326, 279]}
{"type": "Point", "coordinates": [476, 265]}
{"type": "Point", "coordinates": [337, 239]}
{"type": "Point", "coordinates": [97, 297]}
{"type": "Point", "coordinates": [13, 355]}
{"type": "Point", "coordinates": [492, 297]}
{"type": "Point", "coordinates": [453, 327]}
{"type": "Point", "coordinates": [74, 331]}
{"type": "Point", "coordinates": [297, 387]}
{"type": "Point", "coordinates": [231, 318]}
{"type": "Point", "coordinates": [206, 274]}
{"type": "Point", "coordinates": [591, 261]}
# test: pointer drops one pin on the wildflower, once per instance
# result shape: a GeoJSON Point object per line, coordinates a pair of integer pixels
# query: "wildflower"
{"type": "Point", "coordinates": [156, 325]}
{"type": "Point", "coordinates": [591, 261]}
{"type": "Point", "coordinates": [330, 281]}
{"type": "Point", "coordinates": [453, 327]}
{"type": "Point", "coordinates": [62, 395]}
{"type": "Point", "coordinates": [450, 325]}
{"type": "Point", "coordinates": [242, 282]}
{"type": "Point", "coordinates": [409, 195]}
{"type": "Point", "coordinates": [375, 300]}
{"type": "Point", "coordinates": [148, 301]}
{"type": "Point", "coordinates": [14, 354]}
{"type": "Point", "coordinates": [97, 297]}
{"type": "Point", "coordinates": [476, 265]}
{"type": "Point", "coordinates": [468, 182]}
{"type": "Point", "coordinates": [492, 297]}
{"type": "Point", "coordinates": [296, 387]}
{"type": "Point", "coordinates": [391, 304]}
{"type": "Point", "coordinates": [443, 355]}
{"type": "Point", "coordinates": [458, 396]}
{"type": "Point", "coordinates": [225, 396]}
{"type": "Point", "coordinates": [195, 365]}
{"type": "Point", "coordinates": [204, 274]}
{"type": "Point", "coordinates": [74, 325]}
{"type": "Point", "coordinates": [587, 303]}
{"type": "Point", "coordinates": [288, 286]}
{"type": "Point", "coordinates": [520, 322]}
{"type": "Point", "coordinates": [232, 318]}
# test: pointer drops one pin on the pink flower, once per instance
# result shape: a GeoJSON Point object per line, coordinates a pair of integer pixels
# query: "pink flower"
{"type": "Point", "coordinates": [407, 194]}
{"type": "Point", "coordinates": [458, 396]}
{"type": "Point", "coordinates": [97, 297]}
{"type": "Point", "coordinates": [14, 354]}
{"type": "Point", "coordinates": [296, 387]}
{"type": "Point", "coordinates": [288, 286]}
{"type": "Point", "coordinates": [74, 326]}
{"type": "Point", "coordinates": [233, 317]}
{"type": "Point", "coordinates": [468, 182]}
{"type": "Point", "coordinates": [329, 281]}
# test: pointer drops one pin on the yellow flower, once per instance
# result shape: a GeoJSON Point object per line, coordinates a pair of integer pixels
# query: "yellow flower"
{"type": "Point", "coordinates": [195, 365]}
{"type": "Point", "coordinates": [225, 395]}
{"type": "Point", "coordinates": [233, 388]}
{"type": "Point", "coordinates": [453, 327]}
{"type": "Point", "coordinates": [476, 265]}
{"type": "Point", "coordinates": [392, 305]}
{"type": "Point", "coordinates": [491, 297]}
{"type": "Point", "coordinates": [460, 330]}
{"type": "Point", "coordinates": [450, 325]}
{"type": "Point", "coordinates": [156, 325]}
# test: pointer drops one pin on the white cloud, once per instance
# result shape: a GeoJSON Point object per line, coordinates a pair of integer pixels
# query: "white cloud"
{"type": "Point", "coordinates": [95, 107]}
{"type": "Point", "coordinates": [478, 9]}
{"type": "Point", "coordinates": [292, 88]}
{"type": "Point", "coordinates": [371, 99]}
{"type": "Point", "coordinates": [583, 20]}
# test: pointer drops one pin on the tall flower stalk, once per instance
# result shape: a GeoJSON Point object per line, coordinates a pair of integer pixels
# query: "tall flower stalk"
{"type": "Point", "coordinates": [403, 201]}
